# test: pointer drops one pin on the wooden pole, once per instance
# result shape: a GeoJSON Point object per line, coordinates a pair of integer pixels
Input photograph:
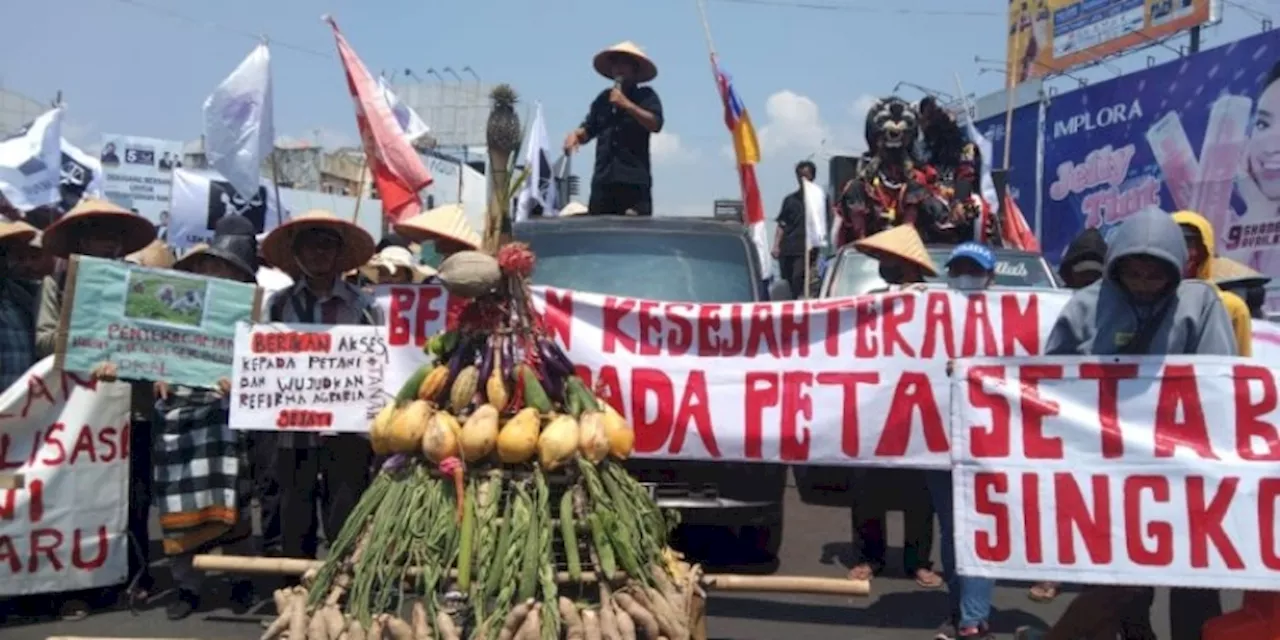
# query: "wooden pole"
{"type": "Point", "coordinates": [1011, 83]}
{"type": "Point", "coordinates": [721, 582]}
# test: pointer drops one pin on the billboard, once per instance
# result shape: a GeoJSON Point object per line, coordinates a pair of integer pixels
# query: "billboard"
{"type": "Point", "coordinates": [1195, 133]}
{"type": "Point", "coordinates": [1051, 36]}
{"type": "Point", "coordinates": [138, 172]}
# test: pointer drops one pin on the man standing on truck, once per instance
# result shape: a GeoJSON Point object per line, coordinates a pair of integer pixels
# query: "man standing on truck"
{"type": "Point", "coordinates": [791, 242]}
{"type": "Point", "coordinates": [621, 121]}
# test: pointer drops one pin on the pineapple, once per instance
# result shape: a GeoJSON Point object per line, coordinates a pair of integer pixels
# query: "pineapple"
{"type": "Point", "coordinates": [502, 135]}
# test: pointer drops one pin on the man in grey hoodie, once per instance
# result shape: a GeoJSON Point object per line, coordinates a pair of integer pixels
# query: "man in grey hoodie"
{"type": "Point", "coordinates": [1141, 306]}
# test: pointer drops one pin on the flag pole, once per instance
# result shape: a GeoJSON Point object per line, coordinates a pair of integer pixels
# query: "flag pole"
{"type": "Point", "coordinates": [1010, 85]}
{"type": "Point", "coordinates": [275, 162]}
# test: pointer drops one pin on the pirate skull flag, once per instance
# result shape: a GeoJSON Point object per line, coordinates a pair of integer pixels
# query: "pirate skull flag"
{"type": "Point", "coordinates": [81, 175]}
{"type": "Point", "coordinates": [201, 198]}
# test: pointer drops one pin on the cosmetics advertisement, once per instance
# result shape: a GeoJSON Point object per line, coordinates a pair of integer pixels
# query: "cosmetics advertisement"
{"type": "Point", "coordinates": [1199, 133]}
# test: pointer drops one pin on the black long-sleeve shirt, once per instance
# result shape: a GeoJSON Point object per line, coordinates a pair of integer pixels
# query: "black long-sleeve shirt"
{"type": "Point", "coordinates": [622, 143]}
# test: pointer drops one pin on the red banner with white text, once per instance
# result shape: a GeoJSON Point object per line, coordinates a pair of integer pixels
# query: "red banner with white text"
{"type": "Point", "coordinates": [1147, 471]}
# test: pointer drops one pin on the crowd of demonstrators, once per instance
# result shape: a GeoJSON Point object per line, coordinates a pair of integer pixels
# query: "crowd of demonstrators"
{"type": "Point", "coordinates": [305, 484]}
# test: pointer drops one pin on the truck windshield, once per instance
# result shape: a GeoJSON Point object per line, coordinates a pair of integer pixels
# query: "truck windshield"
{"type": "Point", "coordinates": [655, 265]}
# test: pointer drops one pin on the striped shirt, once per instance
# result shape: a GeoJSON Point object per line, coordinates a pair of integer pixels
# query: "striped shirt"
{"type": "Point", "coordinates": [345, 304]}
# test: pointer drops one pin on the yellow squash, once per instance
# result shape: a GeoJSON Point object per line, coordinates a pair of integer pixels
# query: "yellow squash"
{"type": "Point", "coordinates": [440, 441]}
{"type": "Point", "coordinates": [518, 439]}
{"type": "Point", "coordinates": [404, 433]}
{"type": "Point", "coordinates": [434, 383]}
{"type": "Point", "coordinates": [379, 427]}
{"type": "Point", "coordinates": [621, 437]}
{"type": "Point", "coordinates": [479, 433]}
{"type": "Point", "coordinates": [592, 443]}
{"type": "Point", "coordinates": [558, 442]}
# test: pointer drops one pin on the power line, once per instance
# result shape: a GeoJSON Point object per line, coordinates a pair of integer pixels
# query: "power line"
{"type": "Point", "coordinates": [209, 24]}
{"type": "Point", "coordinates": [849, 8]}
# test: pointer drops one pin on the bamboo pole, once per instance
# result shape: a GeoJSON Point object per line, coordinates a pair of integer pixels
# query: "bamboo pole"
{"type": "Point", "coordinates": [12, 481]}
{"type": "Point", "coordinates": [717, 581]}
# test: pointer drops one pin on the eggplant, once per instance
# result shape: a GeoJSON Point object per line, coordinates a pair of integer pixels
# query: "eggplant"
{"type": "Point", "coordinates": [487, 355]}
{"type": "Point", "coordinates": [509, 359]}
{"type": "Point", "coordinates": [553, 384]}
{"type": "Point", "coordinates": [559, 353]}
{"type": "Point", "coordinates": [547, 354]}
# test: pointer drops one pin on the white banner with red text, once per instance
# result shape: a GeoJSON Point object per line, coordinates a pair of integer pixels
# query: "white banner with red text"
{"type": "Point", "coordinates": [1148, 471]}
{"type": "Point", "coordinates": [64, 448]}
{"type": "Point", "coordinates": [833, 382]}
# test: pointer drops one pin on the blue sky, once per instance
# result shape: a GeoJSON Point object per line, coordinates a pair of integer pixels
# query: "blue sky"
{"type": "Point", "coordinates": [806, 69]}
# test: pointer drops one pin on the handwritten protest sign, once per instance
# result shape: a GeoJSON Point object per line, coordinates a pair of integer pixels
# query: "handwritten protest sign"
{"type": "Point", "coordinates": [65, 444]}
{"type": "Point", "coordinates": [307, 377]}
{"type": "Point", "coordinates": [1154, 471]}
{"type": "Point", "coordinates": [153, 324]}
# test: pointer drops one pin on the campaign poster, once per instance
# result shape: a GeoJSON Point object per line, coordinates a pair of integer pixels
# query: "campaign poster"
{"type": "Point", "coordinates": [1194, 133]}
{"type": "Point", "coordinates": [138, 173]}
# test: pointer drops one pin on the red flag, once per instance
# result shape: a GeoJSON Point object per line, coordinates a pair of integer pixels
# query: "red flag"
{"type": "Point", "coordinates": [1017, 233]}
{"type": "Point", "coordinates": [398, 172]}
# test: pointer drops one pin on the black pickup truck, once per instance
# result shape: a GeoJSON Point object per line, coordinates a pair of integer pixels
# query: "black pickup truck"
{"type": "Point", "coordinates": [671, 259]}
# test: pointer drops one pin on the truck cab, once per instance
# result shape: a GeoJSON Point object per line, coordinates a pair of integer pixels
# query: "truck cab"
{"type": "Point", "coordinates": [701, 260]}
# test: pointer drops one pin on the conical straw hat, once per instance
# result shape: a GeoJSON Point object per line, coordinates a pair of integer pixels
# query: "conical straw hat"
{"type": "Point", "coordinates": [17, 231]}
{"type": "Point", "coordinates": [156, 255]}
{"type": "Point", "coordinates": [1226, 271]}
{"type": "Point", "coordinates": [903, 242]}
{"type": "Point", "coordinates": [357, 244]}
{"type": "Point", "coordinates": [135, 231]}
{"type": "Point", "coordinates": [394, 259]}
{"type": "Point", "coordinates": [448, 222]}
{"type": "Point", "coordinates": [573, 209]}
{"type": "Point", "coordinates": [645, 69]}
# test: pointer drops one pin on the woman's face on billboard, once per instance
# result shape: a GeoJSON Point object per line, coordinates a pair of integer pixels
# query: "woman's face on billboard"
{"type": "Point", "coordinates": [1264, 145]}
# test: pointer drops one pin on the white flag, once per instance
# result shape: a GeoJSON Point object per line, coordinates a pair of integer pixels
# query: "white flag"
{"type": "Point", "coordinates": [540, 186]}
{"type": "Point", "coordinates": [412, 125]}
{"type": "Point", "coordinates": [238, 128]}
{"type": "Point", "coordinates": [31, 163]}
{"type": "Point", "coordinates": [200, 199]}
{"type": "Point", "coordinates": [81, 174]}
{"type": "Point", "coordinates": [815, 216]}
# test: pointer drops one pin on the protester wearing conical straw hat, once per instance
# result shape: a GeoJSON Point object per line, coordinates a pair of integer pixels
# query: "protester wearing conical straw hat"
{"type": "Point", "coordinates": [100, 229]}
{"type": "Point", "coordinates": [22, 255]}
{"type": "Point", "coordinates": [1243, 281]}
{"type": "Point", "coordinates": [396, 265]}
{"type": "Point", "coordinates": [17, 307]}
{"type": "Point", "coordinates": [901, 253]}
{"type": "Point", "coordinates": [197, 516]}
{"type": "Point", "coordinates": [621, 120]}
{"type": "Point", "coordinates": [446, 226]}
{"type": "Point", "coordinates": [322, 247]}
{"type": "Point", "coordinates": [230, 255]}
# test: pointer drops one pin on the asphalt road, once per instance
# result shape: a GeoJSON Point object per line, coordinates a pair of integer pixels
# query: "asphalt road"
{"type": "Point", "coordinates": [816, 544]}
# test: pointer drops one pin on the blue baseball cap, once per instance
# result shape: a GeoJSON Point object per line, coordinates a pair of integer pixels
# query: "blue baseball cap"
{"type": "Point", "coordinates": [979, 253]}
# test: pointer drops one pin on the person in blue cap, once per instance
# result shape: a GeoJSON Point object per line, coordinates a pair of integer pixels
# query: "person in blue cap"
{"type": "Point", "coordinates": [971, 267]}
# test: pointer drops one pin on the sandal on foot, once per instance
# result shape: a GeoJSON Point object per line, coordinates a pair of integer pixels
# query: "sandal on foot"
{"type": "Point", "coordinates": [73, 610]}
{"type": "Point", "coordinates": [1043, 592]}
{"type": "Point", "coordinates": [928, 579]}
{"type": "Point", "coordinates": [863, 571]}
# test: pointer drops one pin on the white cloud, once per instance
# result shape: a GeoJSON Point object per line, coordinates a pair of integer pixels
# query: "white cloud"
{"type": "Point", "coordinates": [794, 127]}
{"type": "Point", "coordinates": [668, 148]}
